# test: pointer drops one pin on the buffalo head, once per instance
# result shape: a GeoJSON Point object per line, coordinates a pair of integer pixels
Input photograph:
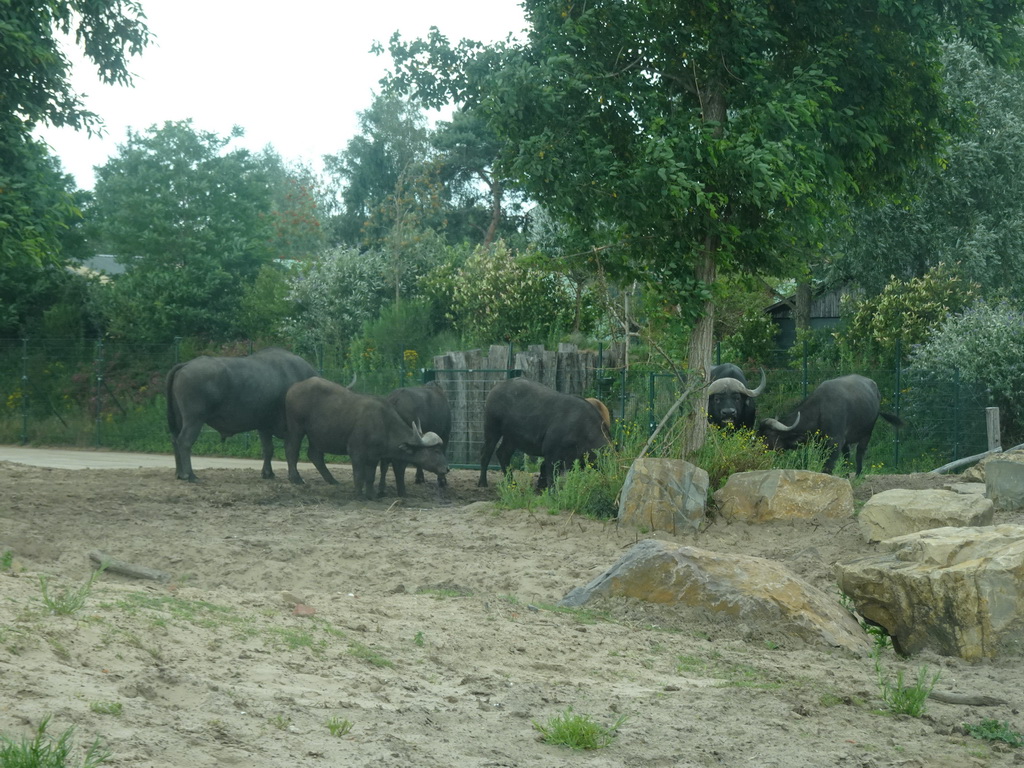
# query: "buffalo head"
{"type": "Point", "coordinates": [730, 401]}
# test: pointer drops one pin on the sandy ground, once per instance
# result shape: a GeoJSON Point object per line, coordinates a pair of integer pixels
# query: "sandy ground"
{"type": "Point", "coordinates": [426, 628]}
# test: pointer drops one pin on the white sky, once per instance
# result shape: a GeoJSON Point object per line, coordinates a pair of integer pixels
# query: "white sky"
{"type": "Point", "coordinates": [291, 75]}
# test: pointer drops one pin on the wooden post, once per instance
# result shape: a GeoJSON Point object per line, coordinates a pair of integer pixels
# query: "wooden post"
{"type": "Point", "coordinates": [995, 441]}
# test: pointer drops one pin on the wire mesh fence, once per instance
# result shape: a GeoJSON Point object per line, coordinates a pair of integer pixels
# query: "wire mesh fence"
{"type": "Point", "coordinates": [104, 394]}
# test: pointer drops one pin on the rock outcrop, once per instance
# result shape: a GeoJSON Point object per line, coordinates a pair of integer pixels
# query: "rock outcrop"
{"type": "Point", "coordinates": [899, 512]}
{"type": "Point", "coordinates": [956, 591]}
{"type": "Point", "coordinates": [664, 495]}
{"type": "Point", "coordinates": [784, 494]}
{"type": "Point", "coordinates": [749, 589]}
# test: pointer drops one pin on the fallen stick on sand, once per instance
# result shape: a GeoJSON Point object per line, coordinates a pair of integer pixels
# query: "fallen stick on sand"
{"type": "Point", "coordinates": [114, 565]}
{"type": "Point", "coordinates": [971, 700]}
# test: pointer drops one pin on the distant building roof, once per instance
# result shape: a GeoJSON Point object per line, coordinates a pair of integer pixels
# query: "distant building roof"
{"type": "Point", "coordinates": [104, 264]}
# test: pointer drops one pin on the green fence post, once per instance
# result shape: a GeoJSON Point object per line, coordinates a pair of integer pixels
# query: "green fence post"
{"type": "Point", "coordinates": [24, 391]}
{"type": "Point", "coordinates": [98, 362]}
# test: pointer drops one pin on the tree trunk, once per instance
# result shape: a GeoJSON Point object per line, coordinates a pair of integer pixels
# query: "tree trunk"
{"type": "Point", "coordinates": [497, 192]}
{"type": "Point", "coordinates": [802, 313]}
{"type": "Point", "coordinates": [701, 346]}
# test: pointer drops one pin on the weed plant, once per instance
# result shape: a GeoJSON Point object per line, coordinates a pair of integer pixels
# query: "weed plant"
{"type": "Point", "coordinates": [339, 727]}
{"type": "Point", "coordinates": [68, 601]}
{"type": "Point", "coordinates": [994, 730]}
{"type": "Point", "coordinates": [43, 751]}
{"type": "Point", "coordinates": [900, 698]}
{"type": "Point", "coordinates": [6, 560]}
{"type": "Point", "coordinates": [578, 731]}
{"type": "Point", "coordinates": [107, 708]}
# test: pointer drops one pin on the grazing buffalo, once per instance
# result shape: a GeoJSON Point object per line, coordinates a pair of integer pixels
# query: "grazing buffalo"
{"type": "Point", "coordinates": [232, 395]}
{"type": "Point", "coordinates": [843, 410]}
{"type": "Point", "coordinates": [730, 401]}
{"type": "Point", "coordinates": [539, 421]}
{"type": "Point", "coordinates": [366, 428]}
{"type": "Point", "coordinates": [428, 407]}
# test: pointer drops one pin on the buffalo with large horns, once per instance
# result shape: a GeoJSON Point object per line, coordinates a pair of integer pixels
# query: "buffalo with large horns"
{"type": "Point", "coordinates": [842, 410]}
{"type": "Point", "coordinates": [730, 400]}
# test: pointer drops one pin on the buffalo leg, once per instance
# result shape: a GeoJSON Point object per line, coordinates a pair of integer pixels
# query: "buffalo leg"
{"type": "Point", "coordinates": [383, 477]}
{"type": "Point", "coordinates": [363, 473]}
{"type": "Point", "coordinates": [183, 450]}
{"type": "Point", "coordinates": [862, 448]}
{"type": "Point", "coordinates": [267, 442]}
{"type": "Point", "coordinates": [505, 452]}
{"type": "Point", "coordinates": [490, 441]}
{"type": "Point", "coordinates": [317, 457]}
{"type": "Point", "coordinates": [292, 444]}
{"type": "Point", "coordinates": [399, 469]}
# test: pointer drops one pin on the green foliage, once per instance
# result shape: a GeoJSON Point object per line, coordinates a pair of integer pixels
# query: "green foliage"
{"type": "Point", "coordinates": [994, 730]}
{"type": "Point", "coordinates": [400, 338]}
{"type": "Point", "coordinates": [983, 348]}
{"type": "Point", "coordinates": [193, 221]}
{"type": "Point", "coordinates": [575, 731]}
{"type": "Point", "coordinates": [905, 313]}
{"type": "Point", "coordinates": [263, 307]}
{"type": "Point", "coordinates": [36, 204]}
{"type": "Point", "coordinates": [497, 295]}
{"type": "Point", "coordinates": [42, 751]}
{"type": "Point", "coordinates": [107, 708]}
{"type": "Point", "coordinates": [899, 697]}
{"type": "Point", "coordinates": [964, 209]}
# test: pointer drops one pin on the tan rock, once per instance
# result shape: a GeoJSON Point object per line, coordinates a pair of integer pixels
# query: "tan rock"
{"type": "Point", "coordinates": [956, 591]}
{"type": "Point", "coordinates": [664, 495]}
{"type": "Point", "coordinates": [750, 589]}
{"type": "Point", "coordinates": [899, 511]}
{"type": "Point", "coordinates": [784, 494]}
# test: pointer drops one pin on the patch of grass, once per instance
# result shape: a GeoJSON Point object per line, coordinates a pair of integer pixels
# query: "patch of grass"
{"type": "Point", "coordinates": [293, 639]}
{"type": "Point", "coordinates": [901, 698]}
{"type": "Point", "coordinates": [107, 708]}
{"type": "Point", "coordinates": [444, 592]}
{"type": "Point", "coordinates": [43, 751]}
{"type": "Point", "coordinates": [578, 731]}
{"type": "Point", "coordinates": [339, 727]}
{"type": "Point", "coordinates": [418, 640]}
{"type": "Point", "coordinates": [67, 601]}
{"type": "Point", "coordinates": [6, 560]}
{"type": "Point", "coordinates": [282, 723]}
{"type": "Point", "coordinates": [994, 730]}
{"type": "Point", "coordinates": [367, 653]}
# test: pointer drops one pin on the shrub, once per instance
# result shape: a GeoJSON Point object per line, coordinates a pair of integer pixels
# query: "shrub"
{"type": "Point", "coordinates": [45, 752]}
{"type": "Point", "coordinates": [578, 731]}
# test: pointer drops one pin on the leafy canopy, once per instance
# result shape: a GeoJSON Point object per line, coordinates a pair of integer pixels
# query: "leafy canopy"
{"type": "Point", "coordinates": [35, 88]}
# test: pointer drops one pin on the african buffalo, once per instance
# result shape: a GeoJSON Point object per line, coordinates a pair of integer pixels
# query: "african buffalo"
{"type": "Point", "coordinates": [539, 421]}
{"type": "Point", "coordinates": [730, 401]}
{"type": "Point", "coordinates": [366, 428]}
{"type": "Point", "coordinates": [232, 395]}
{"type": "Point", "coordinates": [427, 406]}
{"type": "Point", "coordinates": [843, 410]}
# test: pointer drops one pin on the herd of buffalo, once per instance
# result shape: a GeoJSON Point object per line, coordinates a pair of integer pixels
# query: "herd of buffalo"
{"type": "Point", "coordinates": [279, 394]}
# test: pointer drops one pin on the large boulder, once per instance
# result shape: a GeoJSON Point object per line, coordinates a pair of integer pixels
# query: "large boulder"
{"type": "Point", "coordinates": [751, 590]}
{"type": "Point", "coordinates": [956, 591]}
{"type": "Point", "coordinates": [664, 495]}
{"type": "Point", "coordinates": [900, 511]}
{"type": "Point", "coordinates": [1004, 480]}
{"type": "Point", "coordinates": [784, 494]}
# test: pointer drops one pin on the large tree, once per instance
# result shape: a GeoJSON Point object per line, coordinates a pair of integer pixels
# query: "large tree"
{"type": "Point", "coordinates": [711, 137]}
{"type": "Point", "coordinates": [968, 209]}
{"type": "Point", "coordinates": [35, 89]}
{"type": "Point", "coordinates": [193, 222]}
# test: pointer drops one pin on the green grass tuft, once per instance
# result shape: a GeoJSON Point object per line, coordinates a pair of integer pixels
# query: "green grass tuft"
{"type": "Point", "coordinates": [43, 751]}
{"type": "Point", "coordinates": [577, 731]}
{"type": "Point", "coordinates": [994, 730]}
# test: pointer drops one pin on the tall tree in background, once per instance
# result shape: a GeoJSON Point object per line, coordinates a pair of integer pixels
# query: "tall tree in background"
{"type": "Point", "coordinates": [391, 147]}
{"type": "Point", "coordinates": [191, 221]}
{"type": "Point", "coordinates": [35, 89]}
{"type": "Point", "coordinates": [712, 137]}
{"type": "Point", "coordinates": [967, 210]}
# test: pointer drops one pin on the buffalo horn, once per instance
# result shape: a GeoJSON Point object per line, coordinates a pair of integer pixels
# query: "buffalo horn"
{"type": "Point", "coordinates": [735, 385]}
{"type": "Point", "coordinates": [779, 426]}
{"type": "Point", "coordinates": [425, 438]}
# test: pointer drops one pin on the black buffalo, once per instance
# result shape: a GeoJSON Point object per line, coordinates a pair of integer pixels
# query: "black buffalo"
{"type": "Point", "coordinates": [232, 395]}
{"type": "Point", "coordinates": [730, 400]}
{"type": "Point", "coordinates": [843, 410]}
{"type": "Point", "coordinates": [366, 428]}
{"type": "Point", "coordinates": [428, 407]}
{"type": "Point", "coordinates": [539, 421]}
